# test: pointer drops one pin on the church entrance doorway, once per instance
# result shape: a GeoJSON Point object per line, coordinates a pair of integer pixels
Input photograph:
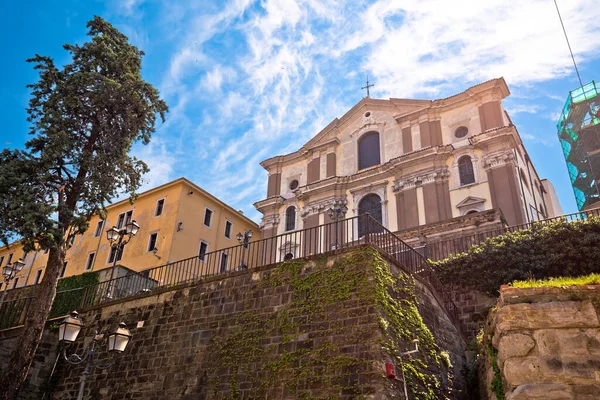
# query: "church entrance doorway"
{"type": "Point", "coordinates": [370, 204]}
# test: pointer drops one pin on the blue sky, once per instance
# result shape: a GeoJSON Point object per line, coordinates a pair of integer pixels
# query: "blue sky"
{"type": "Point", "coordinates": [246, 80]}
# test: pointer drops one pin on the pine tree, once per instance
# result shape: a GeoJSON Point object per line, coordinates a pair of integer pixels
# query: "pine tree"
{"type": "Point", "coordinates": [84, 119]}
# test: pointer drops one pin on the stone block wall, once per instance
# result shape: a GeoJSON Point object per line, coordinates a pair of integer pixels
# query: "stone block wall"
{"type": "Point", "coordinates": [309, 328]}
{"type": "Point", "coordinates": [545, 344]}
{"type": "Point", "coordinates": [45, 357]}
{"type": "Point", "coordinates": [473, 307]}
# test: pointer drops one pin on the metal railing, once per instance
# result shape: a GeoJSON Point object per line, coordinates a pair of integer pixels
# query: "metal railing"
{"type": "Point", "coordinates": [412, 261]}
{"type": "Point", "coordinates": [295, 244]}
{"type": "Point", "coordinates": [436, 250]}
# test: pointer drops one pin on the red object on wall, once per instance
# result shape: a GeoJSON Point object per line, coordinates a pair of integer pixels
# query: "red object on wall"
{"type": "Point", "coordinates": [390, 370]}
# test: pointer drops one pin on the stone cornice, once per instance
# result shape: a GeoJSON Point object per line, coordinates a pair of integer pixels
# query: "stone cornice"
{"type": "Point", "coordinates": [337, 184]}
{"type": "Point", "coordinates": [497, 86]}
{"type": "Point", "coordinates": [269, 204]}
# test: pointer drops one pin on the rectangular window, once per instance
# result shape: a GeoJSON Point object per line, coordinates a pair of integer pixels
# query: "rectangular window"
{"type": "Point", "coordinates": [9, 259]}
{"type": "Point", "coordinates": [120, 220]}
{"type": "Point", "coordinates": [203, 250]}
{"type": "Point", "coordinates": [38, 277]}
{"type": "Point", "coordinates": [62, 273]}
{"type": "Point", "coordinates": [228, 225]}
{"type": "Point", "coordinates": [223, 262]}
{"type": "Point", "coordinates": [73, 239]}
{"type": "Point", "coordinates": [113, 253]}
{"type": "Point", "coordinates": [90, 261]}
{"type": "Point", "coordinates": [15, 282]}
{"type": "Point", "coordinates": [1, 260]}
{"type": "Point", "coordinates": [208, 217]}
{"type": "Point", "coordinates": [46, 251]}
{"type": "Point", "coordinates": [152, 241]}
{"type": "Point", "coordinates": [99, 228]}
{"type": "Point", "coordinates": [124, 219]}
{"type": "Point", "coordinates": [159, 207]}
{"type": "Point", "coordinates": [128, 216]}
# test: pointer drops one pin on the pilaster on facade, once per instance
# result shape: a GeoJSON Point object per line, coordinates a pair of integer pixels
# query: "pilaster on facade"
{"type": "Point", "coordinates": [269, 222]}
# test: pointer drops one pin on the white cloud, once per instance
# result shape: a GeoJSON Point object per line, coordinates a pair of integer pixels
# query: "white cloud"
{"type": "Point", "coordinates": [535, 139]}
{"type": "Point", "coordinates": [248, 80]}
{"type": "Point", "coordinates": [524, 108]}
{"type": "Point", "coordinates": [440, 42]}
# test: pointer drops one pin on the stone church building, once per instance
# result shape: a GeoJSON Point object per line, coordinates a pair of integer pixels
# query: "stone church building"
{"type": "Point", "coordinates": [410, 163]}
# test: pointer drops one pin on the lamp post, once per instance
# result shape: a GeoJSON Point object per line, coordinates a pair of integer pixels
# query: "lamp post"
{"type": "Point", "coordinates": [118, 238]}
{"type": "Point", "coordinates": [117, 341]}
{"type": "Point", "coordinates": [244, 240]}
{"type": "Point", "coordinates": [9, 272]}
{"type": "Point", "coordinates": [336, 212]}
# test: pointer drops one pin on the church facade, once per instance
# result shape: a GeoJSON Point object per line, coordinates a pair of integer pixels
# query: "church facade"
{"type": "Point", "coordinates": [410, 163]}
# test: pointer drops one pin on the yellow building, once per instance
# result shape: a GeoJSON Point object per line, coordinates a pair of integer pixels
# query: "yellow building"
{"type": "Point", "coordinates": [177, 220]}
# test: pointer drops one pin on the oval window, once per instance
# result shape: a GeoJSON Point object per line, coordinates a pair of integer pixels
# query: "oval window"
{"type": "Point", "coordinates": [461, 132]}
{"type": "Point", "coordinates": [294, 184]}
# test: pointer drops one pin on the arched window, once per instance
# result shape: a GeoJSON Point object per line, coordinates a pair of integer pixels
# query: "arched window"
{"type": "Point", "coordinates": [370, 204]}
{"type": "Point", "coordinates": [465, 170]}
{"type": "Point", "coordinates": [290, 218]}
{"type": "Point", "coordinates": [368, 150]}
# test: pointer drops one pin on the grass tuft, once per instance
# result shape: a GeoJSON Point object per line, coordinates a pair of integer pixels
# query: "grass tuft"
{"type": "Point", "coordinates": [592, 279]}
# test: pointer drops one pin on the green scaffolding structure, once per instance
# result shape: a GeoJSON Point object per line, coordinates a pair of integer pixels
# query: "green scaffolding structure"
{"type": "Point", "coordinates": [579, 134]}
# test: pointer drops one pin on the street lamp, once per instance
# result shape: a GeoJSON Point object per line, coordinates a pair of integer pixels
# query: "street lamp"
{"type": "Point", "coordinates": [68, 331]}
{"type": "Point", "coordinates": [336, 212]}
{"type": "Point", "coordinates": [9, 272]}
{"type": "Point", "coordinates": [118, 238]}
{"type": "Point", "coordinates": [244, 240]}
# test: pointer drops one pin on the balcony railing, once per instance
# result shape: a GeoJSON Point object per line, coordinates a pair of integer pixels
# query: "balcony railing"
{"type": "Point", "coordinates": [301, 243]}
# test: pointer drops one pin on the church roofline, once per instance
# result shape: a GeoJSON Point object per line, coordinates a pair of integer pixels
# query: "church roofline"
{"type": "Point", "coordinates": [426, 105]}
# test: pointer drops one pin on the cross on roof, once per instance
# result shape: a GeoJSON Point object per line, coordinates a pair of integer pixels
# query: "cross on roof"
{"type": "Point", "coordinates": [368, 86]}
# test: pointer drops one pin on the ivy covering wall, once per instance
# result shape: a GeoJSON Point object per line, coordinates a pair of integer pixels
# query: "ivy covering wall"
{"type": "Point", "coordinates": [545, 250]}
{"type": "Point", "coordinates": [321, 295]}
{"type": "Point", "coordinates": [69, 293]}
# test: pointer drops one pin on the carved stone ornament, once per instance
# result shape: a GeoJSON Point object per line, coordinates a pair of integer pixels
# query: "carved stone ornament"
{"type": "Point", "coordinates": [416, 180]}
{"type": "Point", "coordinates": [322, 205]}
{"type": "Point", "coordinates": [498, 159]}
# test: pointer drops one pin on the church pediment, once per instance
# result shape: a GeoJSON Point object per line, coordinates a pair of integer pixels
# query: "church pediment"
{"type": "Point", "coordinates": [470, 202]}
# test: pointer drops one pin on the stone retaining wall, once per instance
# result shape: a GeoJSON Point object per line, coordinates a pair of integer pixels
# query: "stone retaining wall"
{"type": "Point", "coordinates": [547, 342]}
{"type": "Point", "coordinates": [305, 329]}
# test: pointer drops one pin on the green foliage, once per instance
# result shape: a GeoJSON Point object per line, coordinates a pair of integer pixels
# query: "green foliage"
{"type": "Point", "coordinates": [497, 385]}
{"type": "Point", "coordinates": [545, 250]}
{"type": "Point", "coordinates": [69, 293]}
{"type": "Point", "coordinates": [592, 279]}
{"type": "Point", "coordinates": [84, 119]}
{"type": "Point", "coordinates": [401, 324]}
